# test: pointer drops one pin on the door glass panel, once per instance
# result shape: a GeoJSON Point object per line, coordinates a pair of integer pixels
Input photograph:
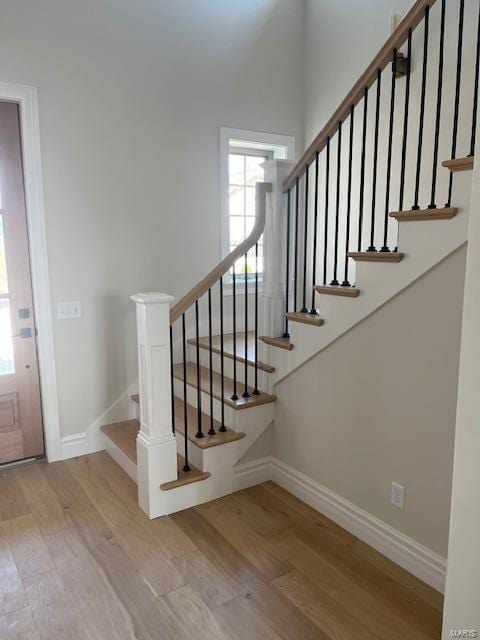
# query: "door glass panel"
{"type": "Point", "coordinates": [6, 344]}
{"type": "Point", "coordinates": [3, 261]}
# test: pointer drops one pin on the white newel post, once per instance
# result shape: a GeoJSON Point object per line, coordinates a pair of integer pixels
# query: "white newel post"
{"type": "Point", "coordinates": [156, 444]}
{"type": "Point", "coordinates": [274, 244]}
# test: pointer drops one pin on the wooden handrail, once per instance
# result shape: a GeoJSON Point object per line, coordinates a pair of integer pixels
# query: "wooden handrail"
{"type": "Point", "coordinates": [368, 77]}
{"type": "Point", "coordinates": [261, 190]}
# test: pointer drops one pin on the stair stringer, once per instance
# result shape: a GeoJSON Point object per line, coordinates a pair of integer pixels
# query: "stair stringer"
{"type": "Point", "coordinates": [423, 243]}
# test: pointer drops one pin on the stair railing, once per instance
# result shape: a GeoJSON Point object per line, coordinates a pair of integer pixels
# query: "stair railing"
{"type": "Point", "coordinates": [242, 264]}
{"type": "Point", "coordinates": [383, 146]}
{"type": "Point", "coordinates": [157, 460]}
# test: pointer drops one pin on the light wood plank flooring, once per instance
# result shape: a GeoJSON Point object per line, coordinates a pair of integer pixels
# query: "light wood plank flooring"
{"type": "Point", "coordinates": [79, 560]}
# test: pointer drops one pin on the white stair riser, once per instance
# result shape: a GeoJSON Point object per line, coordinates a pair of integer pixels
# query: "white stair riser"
{"type": "Point", "coordinates": [230, 414]}
{"type": "Point", "coordinates": [195, 454]}
{"type": "Point", "coordinates": [121, 459]}
{"type": "Point", "coordinates": [238, 420]}
{"type": "Point", "coordinates": [217, 459]}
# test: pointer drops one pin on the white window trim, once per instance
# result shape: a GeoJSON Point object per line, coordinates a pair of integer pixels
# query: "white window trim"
{"type": "Point", "coordinates": [282, 147]}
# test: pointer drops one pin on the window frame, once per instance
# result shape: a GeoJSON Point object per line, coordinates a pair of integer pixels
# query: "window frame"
{"type": "Point", "coordinates": [279, 147]}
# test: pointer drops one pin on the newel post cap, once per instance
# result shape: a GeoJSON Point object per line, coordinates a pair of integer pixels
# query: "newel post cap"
{"type": "Point", "coordinates": [153, 297]}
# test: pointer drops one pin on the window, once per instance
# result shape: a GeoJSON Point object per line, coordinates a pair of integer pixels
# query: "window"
{"type": "Point", "coordinates": [7, 366]}
{"type": "Point", "coordinates": [242, 156]}
{"type": "Point", "coordinates": [244, 171]}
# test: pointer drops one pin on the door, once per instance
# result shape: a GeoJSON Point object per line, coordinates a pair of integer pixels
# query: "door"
{"type": "Point", "coordinates": [21, 430]}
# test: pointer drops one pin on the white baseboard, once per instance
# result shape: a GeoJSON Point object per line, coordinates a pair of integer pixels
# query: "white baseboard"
{"type": "Point", "coordinates": [249, 474]}
{"type": "Point", "coordinates": [92, 440]}
{"type": "Point", "coordinates": [398, 547]}
{"type": "Point", "coordinates": [76, 445]}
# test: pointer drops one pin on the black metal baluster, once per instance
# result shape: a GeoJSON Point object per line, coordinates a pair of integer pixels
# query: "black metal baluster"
{"type": "Point", "coordinates": [171, 378]}
{"type": "Point", "coordinates": [199, 433]}
{"type": "Point", "coordinates": [475, 94]}
{"type": "Point", "coordinates": [295, 257]}
{"type": "Point", "coordinates": [362, 169]}
{"type": "Point", "coordinates": [416, 206]}
{"type": "Point", "coordinates": [245, 393]}
{"type": "Point", "coordinates": [385, 248]}
{"type": "Point", "coordinates": [256, 392]}
{"type": "Point", "coordinates": [234, 307]}
{"type": "Point", "coordinates": [345, 282]}
{"type": "Point", "coordinates": [305, 243]}
{"type": "Point", "coordinates": [375, 162]}
{"type": "Point", "coordinates": [325, 231]}
{"type": "Point", "coordinates": [185, 405]}
{"type": "Point", "coordinates": [334, 282]}
{"type": "Point", "coordinates": [222, 362]}
{"type": "Point", "coordinates": [432, 204]}
{"type": "Point", "coordinates": [287, 281]}
{"type": "Point", "coordinates": [457, 95]}
{"type": "Point", "coordinates": [211, 431]}
{"type": "Point", "coordinates": [313, 311]}
{"type": "Point", "coordinates": [405, 122]}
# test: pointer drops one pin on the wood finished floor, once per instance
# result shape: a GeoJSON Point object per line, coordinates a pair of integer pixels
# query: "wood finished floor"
{"type": "Point", "coordinates": [79, 560]}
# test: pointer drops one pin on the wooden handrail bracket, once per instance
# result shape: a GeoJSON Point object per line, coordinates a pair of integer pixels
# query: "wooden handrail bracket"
{"type": "Point", "coordinates": [368, 77]}
{"type": "Point", "coordinates": [261, 190]}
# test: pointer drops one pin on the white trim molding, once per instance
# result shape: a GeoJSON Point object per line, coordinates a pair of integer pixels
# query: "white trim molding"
{"type": "Point", "coordinates": [93, 440]}
{"type": "Point", "coordinates": [26, 97]}
{"type": "Point", "coordinates": [248, 474]}
{"type": "Point", "coordinates": [395, 545]}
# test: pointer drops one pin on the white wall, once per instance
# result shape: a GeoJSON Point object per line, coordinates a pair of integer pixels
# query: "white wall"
{"type": "Point", "coordinates": [462, 597]}
{"type": "Point", "coordinates": [379, 404]}
{"type": "Point", "coordinates": [341, 38]}
{"type": "Point", "coordinates": [132, 94]}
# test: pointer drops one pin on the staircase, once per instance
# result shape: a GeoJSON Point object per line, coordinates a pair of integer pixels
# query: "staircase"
{"type": "Point", "coordinates": [381, 196]}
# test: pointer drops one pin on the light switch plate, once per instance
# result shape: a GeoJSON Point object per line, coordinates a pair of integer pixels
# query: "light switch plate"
{"type": "Point", "coordinates": [69, 310]}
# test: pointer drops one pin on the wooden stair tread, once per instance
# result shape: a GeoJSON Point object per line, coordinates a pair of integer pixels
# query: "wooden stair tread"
{"type": "Point", "coordinates": [124, 435]}
{"type": "Point", "coordinates": [228, 348]}
{"type": "Point", "coordinates": [281, 343]}
{"type": "Point", "coordinates": [241, 403]}
{"type": "Point", "coordinates": [185, 477]}
{"type": "Point", "coordinates": [305, 318]}
{"type": "Point", "coordinates": [459, 164]}
{"type": "Point", "coordinates": [346, 292]}
{"type": "Point", "coordinates": [445, 213]}
{"type": "Point", "coordinates": [375, 256]}
{"type": "Point", "coordinates": [221, 437]}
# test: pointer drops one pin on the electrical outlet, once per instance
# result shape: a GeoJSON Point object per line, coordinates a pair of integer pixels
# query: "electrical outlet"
{"type": "Point", "coordinates": [69, 310]}
{"type": "Point", "coordinates": [397, 495]}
